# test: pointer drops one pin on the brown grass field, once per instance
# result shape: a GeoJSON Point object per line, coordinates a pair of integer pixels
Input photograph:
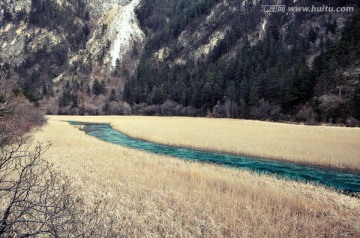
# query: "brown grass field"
{"type": "Point", "coordinates": [155, 196]}
{"type": "Point", "coordinates": [336, 147]}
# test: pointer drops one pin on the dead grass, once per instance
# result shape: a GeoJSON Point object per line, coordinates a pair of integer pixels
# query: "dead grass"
{"type": "Point", "coordinates": [157, 196]}
{"type": "Point", "coordinates": [336, 147]}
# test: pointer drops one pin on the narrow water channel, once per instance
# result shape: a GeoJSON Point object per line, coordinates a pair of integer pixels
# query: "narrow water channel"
{"type": "Point", "coordinates": [346, 182]}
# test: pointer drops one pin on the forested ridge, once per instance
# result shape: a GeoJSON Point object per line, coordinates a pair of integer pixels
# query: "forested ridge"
{"type": "Point", "coordinates": [272, 79]}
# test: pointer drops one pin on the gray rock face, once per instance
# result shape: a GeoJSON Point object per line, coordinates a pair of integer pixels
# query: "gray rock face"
{"type": "Point", "coordinates": [99, 7]}
{"type": "Point", "coordinates": [12, 41]}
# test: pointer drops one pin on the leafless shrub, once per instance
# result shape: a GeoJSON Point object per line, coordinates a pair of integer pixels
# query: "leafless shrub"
{"type": "Point", "coordinates": [352, 122]}
{"type": "Point", "coordinates": [125, 108]}
{"type": "Point", "coordinates": [228, 109]}
{"type": "Point", "coordinates": [171, 108]}
{"type": "Point", "coordinates": [265, 110]}
{"type": "Point", "coordinates": [144, 109]}
{"type": "Point", "coordinates": [306, 114]}
{"type": "Point", "coordinates": [330, 107]}
{"type": "Point", "coordinates": [218, 110]}
{"type": "Point", "coordinates": [329, 102]}
{"type": "Point", "coordinates": [20, 116]}
{"type": "Point", "coordinates": [189, 111]}
{"type": "Point", "coordinates": [114, 108]}
{"type": "Point", "coordinates": [37, 200]}
{"type": "Point", "coordinates": [92, 110]}
{"type": "Point", "coordinates": [34, 199]}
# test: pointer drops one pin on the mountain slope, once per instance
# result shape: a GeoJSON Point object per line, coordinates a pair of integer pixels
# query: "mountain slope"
{"type": "Point", "coordinates": [262, 68]}
{"type": "Point", "coordinates": [37, 39]}
{"type": "Point", "coordinates": [220, 58]}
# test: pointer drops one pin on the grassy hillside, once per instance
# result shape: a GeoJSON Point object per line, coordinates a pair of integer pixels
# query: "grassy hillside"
{"type": "Point", "coordinates": [151, 195]}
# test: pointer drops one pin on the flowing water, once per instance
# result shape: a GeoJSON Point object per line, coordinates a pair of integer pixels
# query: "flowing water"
{"type": "Point", "coordinates": [344, 181]}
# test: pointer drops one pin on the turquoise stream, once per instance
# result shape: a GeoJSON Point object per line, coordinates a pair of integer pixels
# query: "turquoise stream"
{"type": "Point", "coordinates": [346, 182]}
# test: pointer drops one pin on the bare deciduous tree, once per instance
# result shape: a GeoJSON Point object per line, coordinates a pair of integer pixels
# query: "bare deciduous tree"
{"type": "Point", "coordinates": [34, 199]}
{"type": "Point", "coordinates": [37, 200]}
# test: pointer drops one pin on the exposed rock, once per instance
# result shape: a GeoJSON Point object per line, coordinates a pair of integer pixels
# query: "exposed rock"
{"type": "Point", "coordinates": [122, 30]}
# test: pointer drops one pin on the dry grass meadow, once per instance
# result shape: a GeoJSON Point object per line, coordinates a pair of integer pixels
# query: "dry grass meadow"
{"type": "Point", "coordinates": [155, 196]}
{"type": "Point", "coordinates": [336, 147]}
